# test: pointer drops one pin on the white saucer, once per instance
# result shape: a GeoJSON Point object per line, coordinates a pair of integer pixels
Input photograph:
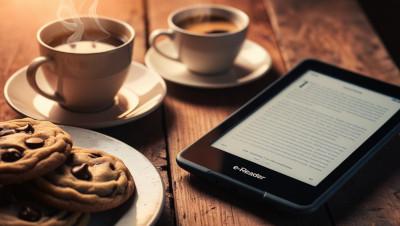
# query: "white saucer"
{"type": "Point", "coordinates": [252, 62]}
{"type": "Point", "coordinates": [142, 92]}
{"type": "Point", "coordinates": [148, 200]}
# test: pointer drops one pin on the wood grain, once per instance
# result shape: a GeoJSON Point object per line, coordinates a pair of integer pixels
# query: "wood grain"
{"type": "Point", "coordinates": [21, 19]}
{"type": "Point", "coordinates": [334, 31]}
{"type": "Point", "coordinates": [190, 113]}
{"type": "Point", "coordinates": [338, 32]}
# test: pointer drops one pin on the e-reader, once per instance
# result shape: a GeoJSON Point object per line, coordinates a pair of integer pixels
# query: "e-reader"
{"type": "Point", "coordinates": [300, 139]}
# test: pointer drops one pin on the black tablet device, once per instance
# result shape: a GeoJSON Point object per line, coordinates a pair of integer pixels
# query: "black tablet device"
{"type": "Point", "coordinates": [300, 139]}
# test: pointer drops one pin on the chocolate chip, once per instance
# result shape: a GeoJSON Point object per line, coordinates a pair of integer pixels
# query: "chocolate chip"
{"type": "Point", "coordinates": [29, 213]}
{"type": "Point", "coordinates": [6, 195]}
{"type": "Point", "coordinates": [94, 155]}
{"type": "Point", "coordinates": [59, 170]}
{"type": "Point", "coordinates": [112, 191]}
{"type": "Point", "coordinates": [5, 132]}
{"type": "Point", "coordinates": [3, 202]}
{"type": "Point", "coordinates": [70, 159]}
{"type": "Point", "coordinates": [10, 154]}
{"type": "Point", "coordinates": [81, 172]}
{"type": "Point", "coordinates": [34, 142]}
{"type": "Point", "coordinates": [4, 199]}
{"type": "Point", "coordinates": [112, 167]}
{"type": "Point", "coordinates": [52, 212]}
{"type": "Point", "coordinates": [26, 128]}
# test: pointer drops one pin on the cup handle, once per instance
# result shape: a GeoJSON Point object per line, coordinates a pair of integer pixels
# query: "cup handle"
{"type": "Point", "coordinates": [31, 76]}
{"type": "Point", "coordinates": [153, 38]}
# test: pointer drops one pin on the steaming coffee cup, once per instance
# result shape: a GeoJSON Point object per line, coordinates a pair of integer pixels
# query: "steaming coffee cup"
{"type": "Point", "coordinates": [86, 72]}
{"type": "Point", "coordinates": [207, 38]}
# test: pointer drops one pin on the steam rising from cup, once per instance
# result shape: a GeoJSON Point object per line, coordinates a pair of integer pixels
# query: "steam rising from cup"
{"type": "Point", "coordinates": [68, 10]}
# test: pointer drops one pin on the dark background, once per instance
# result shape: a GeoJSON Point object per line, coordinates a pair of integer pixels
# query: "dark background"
{"type": "Point", "coordinates": [385, 18]}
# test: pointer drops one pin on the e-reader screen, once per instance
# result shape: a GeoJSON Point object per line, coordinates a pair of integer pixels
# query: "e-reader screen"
{"type": "Point", "coordinates": [310, 128]}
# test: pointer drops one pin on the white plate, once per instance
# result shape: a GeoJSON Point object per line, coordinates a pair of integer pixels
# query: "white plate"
{"type": "Point", "coordinates": [148, 200]}
{"type": "Point", "coordinates": [252, 62]}
{"type": "Point", "coordinates": [142, 92]}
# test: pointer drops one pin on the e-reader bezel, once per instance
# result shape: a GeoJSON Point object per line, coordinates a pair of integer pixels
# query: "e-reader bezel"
{"type": "Point", "coordinates": [202, 158]}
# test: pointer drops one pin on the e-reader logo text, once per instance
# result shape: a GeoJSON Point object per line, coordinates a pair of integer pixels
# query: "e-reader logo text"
{"type": "Point", "coordinates": [248, 172]}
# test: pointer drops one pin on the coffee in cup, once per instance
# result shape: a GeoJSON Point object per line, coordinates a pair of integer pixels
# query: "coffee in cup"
{"type": "Point", "coordinates": [85, 73]}
{"type": "Point", "coordinates": [91, 42]}
{"type": "Point", "coordinates": [208, 24]}
{"type": "Point", "coordinates": [207, 38]}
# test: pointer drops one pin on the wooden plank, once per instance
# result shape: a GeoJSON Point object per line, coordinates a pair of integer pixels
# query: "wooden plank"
{"type": "Point", "coordinates": [20, 21]}
{"type": "Point", "coordinates": [334, 31]}
{"type": "Point", "coordinates": [338, 32]}
{"type": "Point", "coordinates": [190, 113]}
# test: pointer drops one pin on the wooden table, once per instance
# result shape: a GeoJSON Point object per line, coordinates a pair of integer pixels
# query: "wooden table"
{"type": "Point", "coordinates": [336, 31]}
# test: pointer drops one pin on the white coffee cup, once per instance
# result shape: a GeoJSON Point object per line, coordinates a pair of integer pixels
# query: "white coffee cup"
{"type": "Point", "coordinates": [83, 82]}
{"type": "Point", "coordinates": [204, 53]}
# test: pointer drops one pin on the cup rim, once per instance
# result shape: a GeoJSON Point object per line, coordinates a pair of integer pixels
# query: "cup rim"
{"type": "Point", "coordinates": [123, 23]}
{"type": "Point", "coordinates": [233, 10]}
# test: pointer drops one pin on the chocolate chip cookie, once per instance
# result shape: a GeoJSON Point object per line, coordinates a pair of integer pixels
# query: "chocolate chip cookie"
{"type": "Point", "coordinates": [89, 181]}
{"type": "Point", "coordinates": [16, 208]}
{"type": "Point", "coordinates": [30, 148]}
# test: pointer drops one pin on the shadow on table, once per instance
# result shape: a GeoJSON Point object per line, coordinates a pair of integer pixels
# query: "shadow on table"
{"type": "Point", "coordinates": [265, 212]}
{"type": "Point", "coordinates": [111, 217]}
{"type": "Point", "coordinates": [374, 192]}
{"type": "Point", "coordinates": [221, 97]}
{"type": "Point", "coordinates": [144, 132]}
